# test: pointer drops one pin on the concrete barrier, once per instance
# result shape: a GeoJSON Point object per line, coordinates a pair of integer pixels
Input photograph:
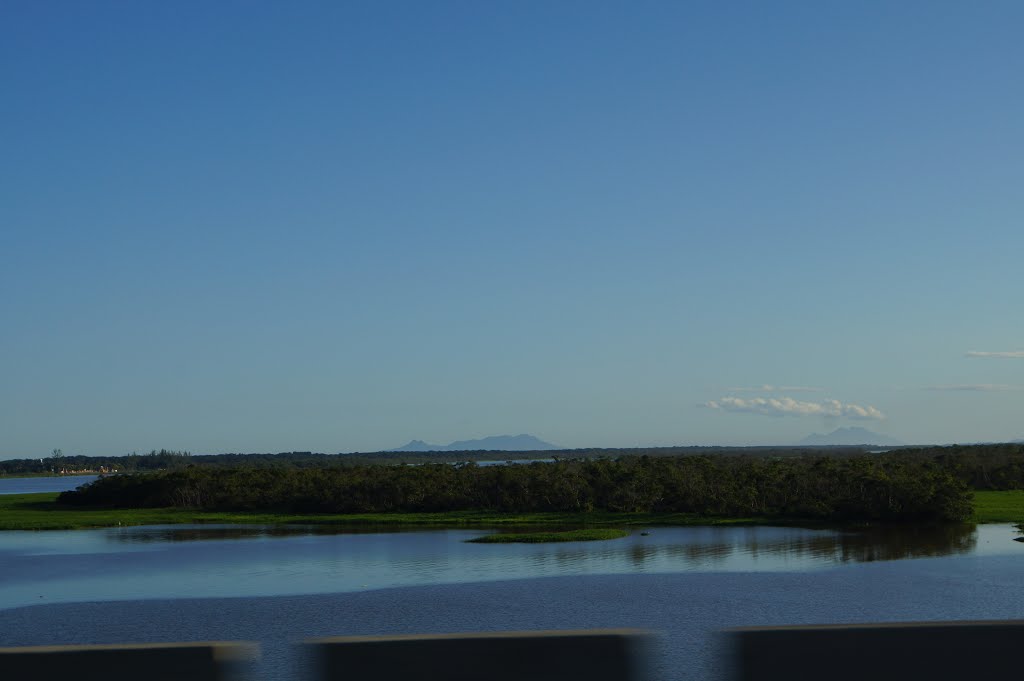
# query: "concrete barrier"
{"type": "Point", "coordinates": [594, 655]}
{"type": "Point", "coordinates": [937, 651]}
{"type": "Point", "coordinates": [143, 662]}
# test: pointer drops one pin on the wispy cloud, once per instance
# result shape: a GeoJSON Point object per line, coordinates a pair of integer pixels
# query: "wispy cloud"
{"type": "Point", "coordinates": [977, 387]}
{"type": "Point", "coordinates": [787, 406]}
{"type": "Point", "coordinates": [767, 388]}
{"type": "Point", "coordinates": [1009, 354]}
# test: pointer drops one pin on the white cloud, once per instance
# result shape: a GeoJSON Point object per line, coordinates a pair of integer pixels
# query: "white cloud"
{"type": "Point", "coordinates": [977, 387]}
{"type": "Point", "coordinates": [767, 388]}
{"type": "Point", "coordinates": [1009, 354]}
{"type": "Point", "coordinates": [787, 406]}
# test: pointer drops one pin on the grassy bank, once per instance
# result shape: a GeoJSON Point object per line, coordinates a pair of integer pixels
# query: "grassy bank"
{"type": "Point", "coordinates": [999, 507]}
{"type": "Point", "coordinates": [598, 534]}
{"type": "Point", "coordinates": [41, 512]}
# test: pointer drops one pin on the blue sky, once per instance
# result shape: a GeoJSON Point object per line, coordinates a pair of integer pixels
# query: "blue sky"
{"type": "Point", "coordinates": [245, 226]}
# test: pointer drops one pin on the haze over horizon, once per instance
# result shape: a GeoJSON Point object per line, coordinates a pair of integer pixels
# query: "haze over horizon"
{"type": "Point", "coordinates": [243, 227]}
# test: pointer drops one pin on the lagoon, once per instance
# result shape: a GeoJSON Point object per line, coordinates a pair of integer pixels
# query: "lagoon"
{"type": "Point", "coordinates": [188, 561]}
{"type": "Point", "coordinates": [54, 483]}
{"type": "Point", "coordinates": [280, 584]}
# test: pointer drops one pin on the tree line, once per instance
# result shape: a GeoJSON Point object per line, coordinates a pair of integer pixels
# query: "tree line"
{"type": "Point", "coordinates": [165, 459]}
{"type": "Point", "coordinates": [860, 488]}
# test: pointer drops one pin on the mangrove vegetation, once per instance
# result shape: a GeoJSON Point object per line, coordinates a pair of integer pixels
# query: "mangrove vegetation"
{"type": "Point", "coordinates": [827, 489]}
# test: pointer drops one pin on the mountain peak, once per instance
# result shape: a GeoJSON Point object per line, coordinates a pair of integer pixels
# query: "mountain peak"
{"type": "Point", "coordinates": [853, 435]}
{"type": "Point", "coordinates": [510, 443]}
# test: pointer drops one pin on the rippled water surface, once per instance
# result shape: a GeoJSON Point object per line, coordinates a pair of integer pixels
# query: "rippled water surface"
{"type": "Point", "coordinates": [685, 609]}
{"type": "Point", "coordinates": [277, 585]}
{"type": "Point", "coordinates": [211, 561]}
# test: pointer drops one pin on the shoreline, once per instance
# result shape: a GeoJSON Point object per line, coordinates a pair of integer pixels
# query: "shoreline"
{"type": "Point", "coordinates": [39, 511]}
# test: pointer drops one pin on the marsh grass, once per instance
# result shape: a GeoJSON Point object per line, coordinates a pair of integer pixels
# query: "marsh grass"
{"type": "Point", "coordinates": [999, 507]}
{"type": "Point", "coordinates": [41, 511]}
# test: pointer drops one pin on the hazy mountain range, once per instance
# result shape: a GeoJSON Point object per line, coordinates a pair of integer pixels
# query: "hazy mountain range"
{"type": "Point", "coordinates": [528, 443]}
{"type": "Point", "coordinates": [849, 436]}
{"type": "Point", "coordinates": [512, 443]}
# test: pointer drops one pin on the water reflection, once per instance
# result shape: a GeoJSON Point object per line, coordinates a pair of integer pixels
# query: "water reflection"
{"type": "Point", "coordinates": [56, 483]}
{"type": "Point", "coordinates": [892, 543]}
{"type": "Point", "coordinates": [262, 560]}
{"type": "Point", "coordinates": [697, 548]}
{"type": "Point", "coordinates": [189, 533]}
{"type": "Point", "coordinates": [900, 543]}
{"type": "Point", "coordinates": [640, 553]}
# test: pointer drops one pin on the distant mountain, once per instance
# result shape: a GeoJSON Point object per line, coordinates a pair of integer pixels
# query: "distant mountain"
{"type": "Point", "coordinates": [418, 446]}
{"type": "Point", "coordinates": [849, 436]}
{"type": "Point", "coordinates": [507, 443]}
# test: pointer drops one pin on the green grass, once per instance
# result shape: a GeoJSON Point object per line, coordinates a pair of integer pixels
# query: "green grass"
{"type": "Point", "coordinates": [999, 507]}
{"type": "Point", "coordinates": [598, 534]}
{"type": "Point", "coordinates": [41, 512]}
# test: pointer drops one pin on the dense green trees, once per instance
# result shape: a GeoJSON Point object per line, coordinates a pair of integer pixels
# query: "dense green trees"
{"type": "Point", "coordinates": [839, 484]}
{"type": "Point", "coordinates": [166, 460]}
{"type": "Point", "coordinates": [59, 462]}
{"type": "Point", "coordinates": [858, 488]}
{"type": "Point", "coordinates": [995, 466]}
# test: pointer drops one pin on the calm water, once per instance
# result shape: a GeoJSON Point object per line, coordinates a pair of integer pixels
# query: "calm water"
{"type": "Point", "coordinates": [177, 561]}
{"type": "Point", "coordinates": [50, 484]}
{"type": "Point", "coordinates": [281, 585]}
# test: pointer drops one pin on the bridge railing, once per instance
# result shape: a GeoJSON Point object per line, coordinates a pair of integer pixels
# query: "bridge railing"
{"type": "Point", "coordinates": [594, 655]}
{"type": "Point", "coordinates": [129, 662]}
{"type": "Point", "coordinates": [937, 651]}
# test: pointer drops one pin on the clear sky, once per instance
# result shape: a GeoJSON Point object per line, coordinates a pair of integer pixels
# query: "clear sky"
{"type": "Point", "coordinates": [330, 226]}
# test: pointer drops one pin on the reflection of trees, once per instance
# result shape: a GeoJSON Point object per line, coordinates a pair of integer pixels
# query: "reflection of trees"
{"type": "Point", "coordinates": [149, 535]}
{"type": "Point", "coordinates": [703, 551]}
{"type": "Point", "coordinates": [641, 553]}
{"type": "Point", "coordinates": [889, 543]}
{"type": "Point", "coordinates": [893, 543]}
